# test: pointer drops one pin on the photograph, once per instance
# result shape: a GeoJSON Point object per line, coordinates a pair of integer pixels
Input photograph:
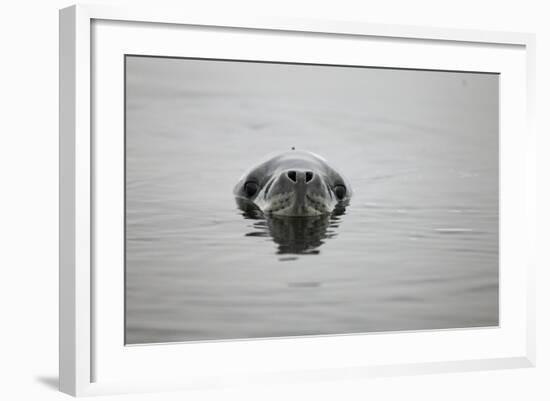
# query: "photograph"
{"type": "Point", "coordinates": [269, 199]}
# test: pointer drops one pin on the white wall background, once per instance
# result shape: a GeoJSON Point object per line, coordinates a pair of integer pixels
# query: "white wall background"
{"type": "Point", "coordinates": [29, 185]}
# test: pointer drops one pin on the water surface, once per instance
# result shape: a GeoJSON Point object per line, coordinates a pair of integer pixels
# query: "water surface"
{"type": "Point", "coordinates": [416, 249]}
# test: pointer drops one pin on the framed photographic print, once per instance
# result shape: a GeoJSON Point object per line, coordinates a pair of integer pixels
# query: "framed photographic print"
{"type": "Point", "coordinates": [280, 200]}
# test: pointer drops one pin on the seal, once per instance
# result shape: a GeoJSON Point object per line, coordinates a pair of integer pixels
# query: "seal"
{"type": "Point", "coordinates": [293, 183]}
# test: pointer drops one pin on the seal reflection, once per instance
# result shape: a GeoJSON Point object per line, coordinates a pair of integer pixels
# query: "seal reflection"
{"type": "Point", "coordinates": [293, 235]}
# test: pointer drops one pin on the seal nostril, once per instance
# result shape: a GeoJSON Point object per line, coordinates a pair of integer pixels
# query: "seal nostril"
{"type": "Point", "coordinates": [292, 175]}
{"type": "Point", "coordinates": [309, 176]}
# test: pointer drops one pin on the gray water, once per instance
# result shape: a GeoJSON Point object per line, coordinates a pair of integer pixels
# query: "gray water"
{"type": "Point", "coordinates": [417, 248]}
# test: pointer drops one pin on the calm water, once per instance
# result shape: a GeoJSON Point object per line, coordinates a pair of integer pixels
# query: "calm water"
{"type": "Point", "coordinates": [416, 249]}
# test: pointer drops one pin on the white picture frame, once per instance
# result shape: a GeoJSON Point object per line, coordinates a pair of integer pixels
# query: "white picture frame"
{"type": "Point", "coordinates": [86, 351]}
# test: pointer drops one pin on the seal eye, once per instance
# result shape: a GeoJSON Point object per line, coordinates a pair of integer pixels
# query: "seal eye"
{"type": "Point", "coordinates": [340, 191]}
{"type": "Point", "coordinates": [250, 188]}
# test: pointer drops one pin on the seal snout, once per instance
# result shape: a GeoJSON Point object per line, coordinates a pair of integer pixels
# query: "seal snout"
{"type": "Point", "coordinates": [298, 192]}
{"type": "Point", "coordinates": [300, 182]}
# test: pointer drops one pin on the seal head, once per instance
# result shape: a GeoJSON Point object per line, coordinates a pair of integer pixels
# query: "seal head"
{"type": "Point", "coordinates": [293, 183]}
